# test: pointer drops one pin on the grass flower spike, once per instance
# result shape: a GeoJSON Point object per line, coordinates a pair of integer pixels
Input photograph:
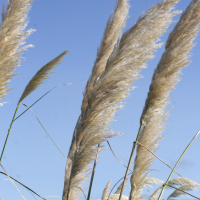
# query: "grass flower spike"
{"type": "Point", "coordinates": [120, 59]}
{"type": "Point", "coordinates": [130, 54]}
{"type": "Point", "coordinates": [41, 75]}
{"type": "Point", "coordinates": [112, 33]}
{"type": "Point", "coordinates": [12, 37]}
{"type": "Point", "coordinates": [106, 191]}
{"type": "Point", "coordinates": [33, 84]}
{"type": "Point", "coordinates": [165, 77]}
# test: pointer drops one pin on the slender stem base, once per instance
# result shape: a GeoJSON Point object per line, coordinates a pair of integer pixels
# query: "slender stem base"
{"type": "Point", "coordinates": [92, 176]}
{"type": "Point", "coordinates": [165, 184]}
{"type": "Point", "coordinates": [13, 119]}
{"type": "Point", "coordinates": [129, 162]}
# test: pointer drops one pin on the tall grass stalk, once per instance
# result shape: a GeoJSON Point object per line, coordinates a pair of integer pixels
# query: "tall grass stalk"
{"type": "Point", "coordinates": [12, 36]}
{"type": "Point", "coordinates": [129, 162]}
{"type": "Point", "coordinates": [22, 185]}
{"type": "Point", "coordinates": [12, 40]}
{"type": "Point", "coordinates": [165, 184]}
{"type": "Point", "coordinates": [165, 77]}
{"type": "Point", "coordinates": [45, 130]}
{"type": "Point", "coordinates": [33, 84]}
{"type": "Point", "coordinates": [130, 54]}
{"type": "Point", "coordinates": [112, 32]}
{"type": "Point", "coordinates": [4, 146]}
{"type": "Point", "coordinates": [120, 59]}
{"type": "Point", "coordinates": [92, 175]}
{"type": "Point", "coordinates": [13, 182]}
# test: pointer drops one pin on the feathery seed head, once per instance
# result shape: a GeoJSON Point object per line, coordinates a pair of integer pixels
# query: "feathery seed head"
{"type": "Point", "coordinates": [165, 77]}
{"type": "Point", "coordinates": [116, 197]}
{"type": "Point", "coordinates": [41, 75]}
{"type": "Point", "coordinates": [106, 191]}
{"type": "Point", "coordinates": [178, 192]}
{"type": "Point", "coordinates": [129, 56]}
{"type": "Point", "coordinates": [112, 33]}
{"type": "Point", "coordinates": [12, 37]}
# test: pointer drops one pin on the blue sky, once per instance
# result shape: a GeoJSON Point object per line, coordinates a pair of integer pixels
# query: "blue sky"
{"type": "Point", "coordinates": [30, 156]}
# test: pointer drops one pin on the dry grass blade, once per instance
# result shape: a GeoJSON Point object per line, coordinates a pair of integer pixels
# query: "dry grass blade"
{"type": "Point", "coordinates": [12, 182]}
{"type": "Point", "coordinates": [12, 37]}
{"type": "Point", "coordinates": [183, 191]}
{"type": "Point", "coordinates": [129, 56]}
{"type": "Point", "coordinates": [45, 130]}
{"type": "Point", "coordinates": [44, 96]}
{"type": "Point", "coordinates": [178, 192]}
{"type": "Point", "coordinates": [188, 181]}
{"type": "Point", "coordinates": [41, 75]}
{"type": "Point", "coordinates": [165, 77]}
{"type": "Point", "coordinates": [34, 83]}
{"type": "Point", "coordinates": [21, 184]}
{"type": "Point", "coordinates": [106, 191]}
{"type": "Point", "coordinates": [177, 165]}
{"type": "Point", "coordinates": [116, 156]}
{"type": "Point", "coordinates": [120, 187]}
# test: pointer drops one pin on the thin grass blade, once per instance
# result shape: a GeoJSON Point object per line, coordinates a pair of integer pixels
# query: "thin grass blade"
{"type": "Point", "coordinates": [23, 185]}
{"type": "Point", "coordinates": [177, 165]}
{"type": "Point", "coordinates": [45, 130]}
{"type": "Point", "coordinates": [12, 182]}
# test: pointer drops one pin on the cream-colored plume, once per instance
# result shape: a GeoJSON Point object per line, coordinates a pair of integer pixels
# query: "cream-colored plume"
{"type": "Point", "coordinates": [184, 186]}
{"type": "Point", "coordinates": [165, 77]}
{"type": "Point", "coordinates": [112, 33]}
{"type": "Point", "coordinates": [129, 56]}
{"type": "Point", "coordinates": [106, 191]}
{"type": "Point", "coordinates": [41, 75]}
{"type": "Point", "coordinates": [120, 187]}
{"type": "Point", "coordinates": [116, 197]}
{"type": "Point", "coordinates": [12, 37]}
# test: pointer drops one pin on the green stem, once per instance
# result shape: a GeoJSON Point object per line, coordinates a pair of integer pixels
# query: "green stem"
{"type": "Point", "coordinates": [183, 191]}
{"type": "Point", "coordinates": [129, 162]}
{"type": "Point", "coordinates": [165, 184]}
{"type": "Point", "coordinates": [68, 194]}
{"type": "Point", "coordinates": [69, 184]}
{"type": "Point", "coordinates": [9, 132]}
{"type": "Point", "coordinates": [21, 184]}
{"type": "Point", "coordinates": [92, 176]}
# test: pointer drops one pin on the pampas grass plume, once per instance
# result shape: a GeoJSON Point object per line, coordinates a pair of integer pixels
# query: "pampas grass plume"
{"type": "Point", "coordinates": [130, 54]}
{"type": "Point", "coordinates": [12, 37]}
{"type": "Point", "coordinates": [41, 75]}
{"type": "Point", "coordinates": [165, 77]}
{"type": "Point", "coordinates": [106, 191]}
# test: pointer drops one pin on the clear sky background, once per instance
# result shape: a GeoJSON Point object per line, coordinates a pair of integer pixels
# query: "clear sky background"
{"type": "Point", "coordinates": [78, 25]}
